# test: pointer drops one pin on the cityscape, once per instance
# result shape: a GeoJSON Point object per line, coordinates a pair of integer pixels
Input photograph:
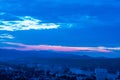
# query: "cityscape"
{"type": "Point", "coordinates": [54, 72]}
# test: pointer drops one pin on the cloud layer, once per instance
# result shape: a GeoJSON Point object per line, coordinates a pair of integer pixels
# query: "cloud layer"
{"type": "Point", "coordinates": [24, 47]}
{"type": "Point", "coordinates": [6, 36]}
{"type": "Point", "coordinates": [26, 23]}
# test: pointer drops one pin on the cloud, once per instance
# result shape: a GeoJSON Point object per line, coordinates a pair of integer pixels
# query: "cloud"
{"type": "Point", "coordinates": [6, 36]}
{"type": "Point", "coordinates": [2, 13]}
{"type": "Point", "coordinates": [24, 47]}
{"type": "Point", "coordinates": [26, 23]}
{"type": "Point", "coordinates": [116, 48]}
{"type": "Point", "coordinates": [10, 22]}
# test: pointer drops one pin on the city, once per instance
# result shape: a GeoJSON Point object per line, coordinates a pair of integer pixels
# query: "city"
{"type": "Point", "coordinates": [54, 72]}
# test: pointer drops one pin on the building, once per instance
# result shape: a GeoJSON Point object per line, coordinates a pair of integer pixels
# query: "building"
{"type": "Point", "coordinates": [101, 74]}
{"type": "Point", "coordinates": [76, 71]}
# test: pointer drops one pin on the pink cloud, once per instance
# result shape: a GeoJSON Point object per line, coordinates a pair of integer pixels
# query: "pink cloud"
{"type": "Point", "coordinates": [25, 47]}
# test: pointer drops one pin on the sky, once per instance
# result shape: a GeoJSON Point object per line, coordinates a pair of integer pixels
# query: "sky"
{"type": "Point", "coordinates": [61, 25]}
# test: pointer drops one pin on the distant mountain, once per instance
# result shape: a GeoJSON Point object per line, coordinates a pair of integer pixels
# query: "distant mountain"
{"type": "Point", "coordinates": [15, 54]}
{"type": "Point", "coordinates": [58, 58]}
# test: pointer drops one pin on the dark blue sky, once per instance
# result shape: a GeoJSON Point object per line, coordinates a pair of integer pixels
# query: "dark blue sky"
{"type": "Point", "coordinates": [69, 23]}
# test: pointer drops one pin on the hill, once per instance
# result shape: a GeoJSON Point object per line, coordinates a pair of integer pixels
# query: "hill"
{"type": "Point", "coordinates": [58, 58]}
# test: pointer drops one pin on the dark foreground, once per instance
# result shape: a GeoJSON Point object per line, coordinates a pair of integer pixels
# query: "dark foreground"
{"type": "Point", "coordinates": [53, 72]}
